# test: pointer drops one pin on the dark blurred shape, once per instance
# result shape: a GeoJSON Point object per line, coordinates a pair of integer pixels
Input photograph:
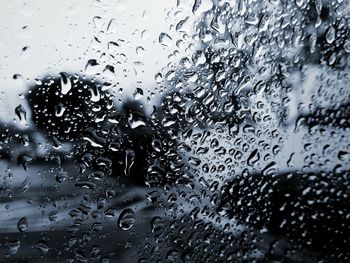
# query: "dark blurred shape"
{"type": "Point", "coordinates": [332, 117]}
{"type": "Point", "coordinates": [310, 209]}
{"type": "Point", "coordinates": [121, 142]}
{"type": "Point", "coordinates": [64, 106]}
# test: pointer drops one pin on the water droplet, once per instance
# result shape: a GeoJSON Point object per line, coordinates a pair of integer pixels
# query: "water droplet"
{"type": "Point", "coordinates": [109, 72]}
{"type": "Point", "coordinates": [253, 158]}
{"type": "Point", "coordinates": [135, 122]}
{"type": "Point", "coordinates": [138, 94]}
{"type": "Point", "coordinates": [330, 35]}
{"type": "Point", "coordinates": [61, 176]}
{"type": "Point", "coordinates": [17, 77]}
{"type": "Point", "coordinates": [158, 77]}
{"type": "Point", "coordinates": [25, 185]}
{"type": "Point", "coordinates": [22, 224]}
{"type": "Point", "coordinates": [299, 3]}
{"type": "Point", "coordinates": [97, 20]}
{"type": "Point", "coordinates": [42, 247]}
{"type": "Point", "coordinates": [95, 94]}
{"type": "Point", "coordinates": [113, 47]}
{"type": "Point", "coordinates": [145, 34]}
{"type": "Point", "coordinates": [201, 6]}
{"type": "Point", "coordinates": [112, 26]}
{"type": "Point", "coordinates": [92, 67]}
{"type": "Point", "coordinates": [126, 219]}
{"type": "Point", "coordinates": [312, 42]}
{"type": "Point", "coordinates": [25, 52]}
{"type": "Point", "coordinates": [165, 39]}
{"type": "Point", "coordinates": [129, 161]}
{"type": "Point", "coordinates": [21, 113]}
{"type": "Point", "coordinates": [181, 24]}
{"type": "Point", "coordinates": [157, 224]}
{"type": "Point", "coordinates": [66, 83]}
{"type": "Point", "coordinates": [59, 110]}
{"type": "Point", "coordinates": [343, 155]}
{"type": "Point", "coordinates": [140, 51]}
{"type": "Point", "coordinates": [13, 246]}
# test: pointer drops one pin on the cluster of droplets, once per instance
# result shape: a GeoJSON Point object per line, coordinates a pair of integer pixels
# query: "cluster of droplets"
{"type": "Point", "coordinates": [248, 124]}
{"type": "Point", "coordinates": [241, 160]}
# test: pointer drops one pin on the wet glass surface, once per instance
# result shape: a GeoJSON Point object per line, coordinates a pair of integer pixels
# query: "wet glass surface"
{"type": "Point", "coordinates": [175, 131]}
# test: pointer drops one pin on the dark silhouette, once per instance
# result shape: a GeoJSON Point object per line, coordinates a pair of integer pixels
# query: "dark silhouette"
{"type": "Point", "coordinates": [124, 143]}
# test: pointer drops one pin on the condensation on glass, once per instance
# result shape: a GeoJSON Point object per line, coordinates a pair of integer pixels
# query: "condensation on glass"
{"type": "Point", "coordinates": [175, 131]}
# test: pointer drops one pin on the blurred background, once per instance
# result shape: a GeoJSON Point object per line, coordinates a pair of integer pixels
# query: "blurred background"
{"type": "Point", "coordinates": [174, 131]}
